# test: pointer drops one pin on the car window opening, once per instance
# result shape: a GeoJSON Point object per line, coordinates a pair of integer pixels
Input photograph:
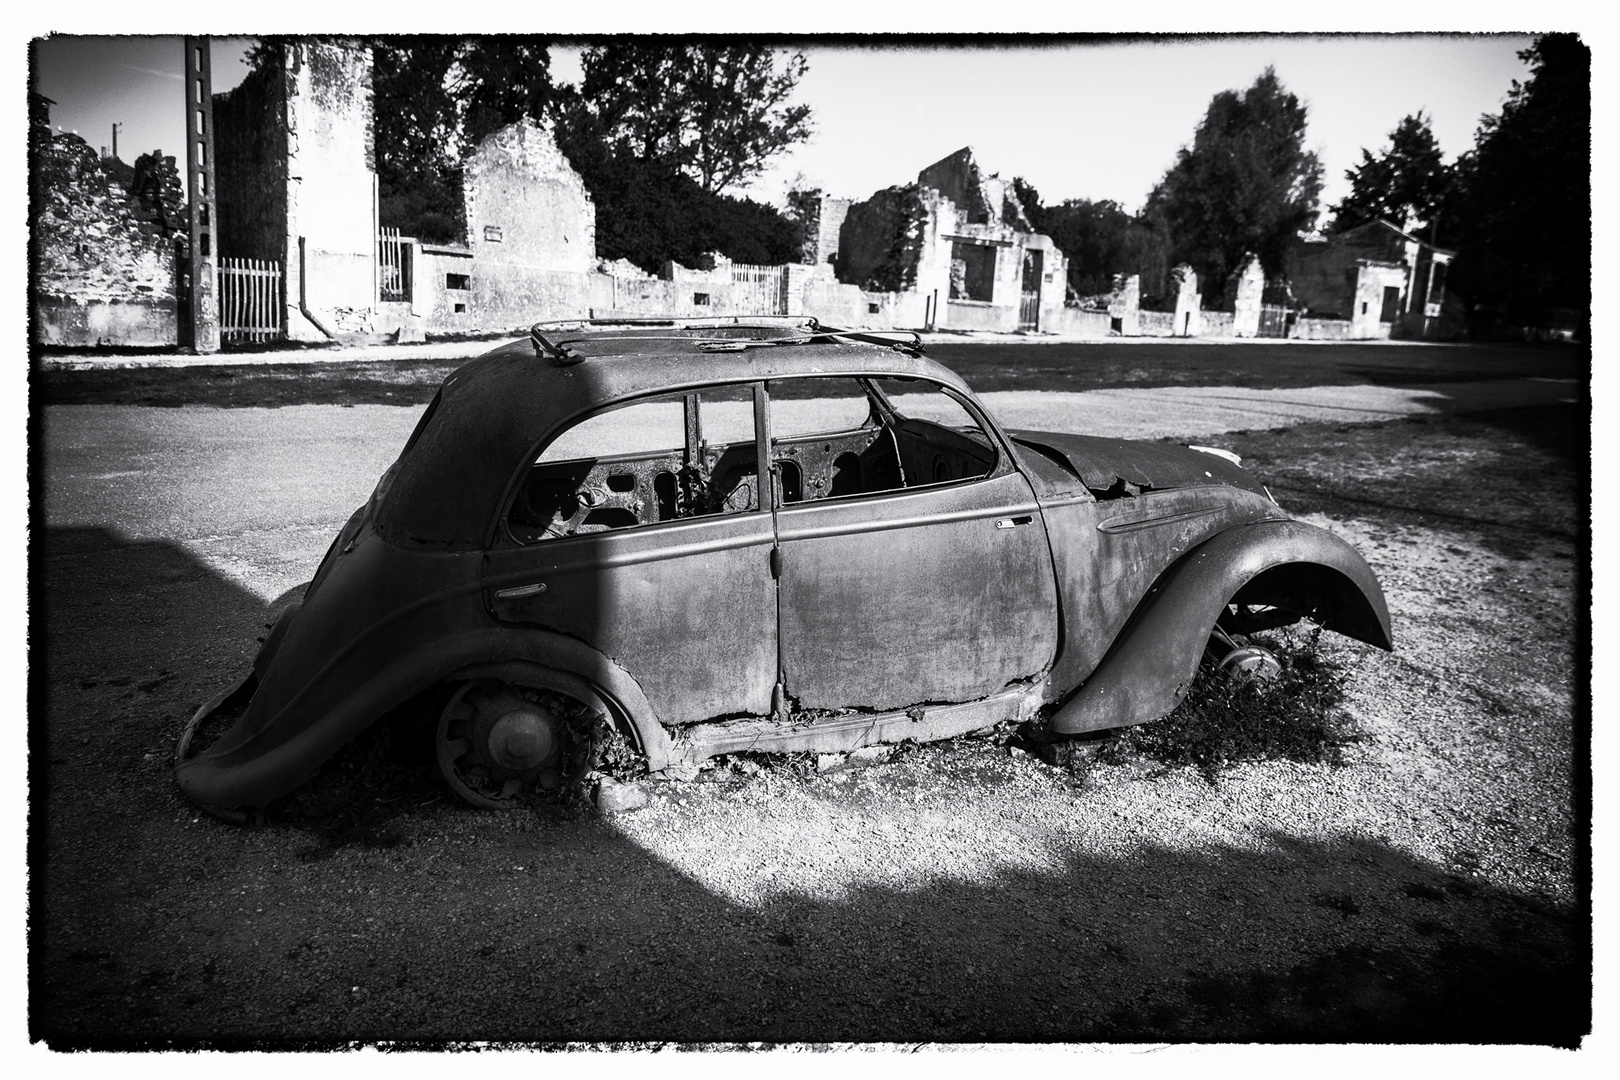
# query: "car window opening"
{"type": "Point", "coordinates": [933, 440]}
{"type": "Point", "coordinates": [641, 464]}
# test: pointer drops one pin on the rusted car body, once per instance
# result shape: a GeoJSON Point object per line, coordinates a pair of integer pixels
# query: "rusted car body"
{"type": "Point", "coordinates": [896, 577]}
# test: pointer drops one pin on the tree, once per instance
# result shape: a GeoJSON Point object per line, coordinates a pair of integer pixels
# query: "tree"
{"type": "Point", "coordinates": [1408, 182]}
{"type": "Point", "coordinates": [435, 99]}
{"type": "Point", "coordinates": [1524, 212]}
{"type": "Point", "coordinates": [658, 132]}
{"type": "Point", "coordinates": [717, 113]}
{"type": "Point", "coordinates": [1100, 239]}
{"type": "Point", "coordinates": [1246, 184]}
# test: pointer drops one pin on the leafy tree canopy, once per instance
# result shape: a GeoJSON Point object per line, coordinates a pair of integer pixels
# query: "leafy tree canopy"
{"type": "Point", "coordinates": [436, 98]}
{"type": "Point", "coordinates": [717, 113]}
{"type": "Point", "coordinates": [1100, 239]}
{"type": "Point", "coordinates": [1405, 185]}
{"type": "Point", "coordinates": [1246, 184]}
{"type": "Point", "coordinates": [1524, 215]}
{"type": "Point", "coordinates": [659, 132]}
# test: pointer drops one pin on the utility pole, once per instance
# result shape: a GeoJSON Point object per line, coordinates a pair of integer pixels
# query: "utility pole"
{"type": "Point", "coordinates": [204, 303]}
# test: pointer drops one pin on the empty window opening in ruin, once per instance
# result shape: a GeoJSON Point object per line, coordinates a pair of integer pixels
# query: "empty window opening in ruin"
{"type": "Point", "coordinates": [973, 271]}
{"type": "Point", "coordinates": [700, 299]}
{"type": "Point", "coordinates": [457, 281]}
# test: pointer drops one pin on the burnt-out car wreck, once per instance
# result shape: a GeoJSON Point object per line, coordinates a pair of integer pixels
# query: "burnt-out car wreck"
{"type": "Point", "coordinates": [757, 535]}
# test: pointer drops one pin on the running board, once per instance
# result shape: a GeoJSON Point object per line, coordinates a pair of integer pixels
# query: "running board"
{"type": "Point", "coordinates": [834, 734]}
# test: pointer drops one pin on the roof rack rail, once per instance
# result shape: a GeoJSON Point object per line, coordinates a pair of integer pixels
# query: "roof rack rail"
{"type": "Point", "coordinates": [905, 341]}
{"type": "Point", "coordinates": [563, 354]}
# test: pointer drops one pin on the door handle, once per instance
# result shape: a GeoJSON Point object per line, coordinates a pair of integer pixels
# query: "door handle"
{"type": "Point", "coordinates": [1014, 522]}
{"type": "Point", "coordinates": [521, 591]}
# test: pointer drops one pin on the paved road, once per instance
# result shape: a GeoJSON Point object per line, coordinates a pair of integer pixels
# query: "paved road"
{"type": "Point", "coordinates": [257, 494]}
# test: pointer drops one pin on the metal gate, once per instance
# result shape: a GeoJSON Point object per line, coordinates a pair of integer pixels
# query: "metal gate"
{"type": "Point", "coordinates": [758, 290]}
{"type": "Point", "coordinates": [250, 306]}
{"type": "Point", "coordinates": [393, 266]}
{"type": "Point", "coordinates": [1274, 320]}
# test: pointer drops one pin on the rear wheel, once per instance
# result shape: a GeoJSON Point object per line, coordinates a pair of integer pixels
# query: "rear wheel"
{"type": "Point", "coordinates": [502, 746]}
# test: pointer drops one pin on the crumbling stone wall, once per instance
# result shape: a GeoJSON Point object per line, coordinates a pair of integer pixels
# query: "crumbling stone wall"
{"type": "Point", "coordinates": [250, 166]}
{"type": "Point", "coordinates": [531, 229]}
{"type": "Point", "coordinates": [982, 199]}
{"type": "Point", "coordinates": [331, 198]}
{"type": "Point", "coordinates": [1374, 280]}
{"type": "Point", "coordinates": [156, 195]}
{"type": "Point", "coordinates": [101, 276]}
{"type": "Point", "coordinates": [1125, 305]}
{"type": "Point", "coordinates": [296, 181]}
{"type": "Point", "coordinates": [822, 218]}
{"type": "Point", "coordinates": [526, 206]}
{"type": "Point", "coordinates": [1248, 288]}
{"type": "Point", "coordinates": [880, 242]}
{"type": "Point", "coordinates": [1187, 320]}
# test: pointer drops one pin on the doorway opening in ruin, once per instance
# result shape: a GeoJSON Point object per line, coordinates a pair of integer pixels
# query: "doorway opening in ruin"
{"type": "Point", "coordinates": [1029, 308]}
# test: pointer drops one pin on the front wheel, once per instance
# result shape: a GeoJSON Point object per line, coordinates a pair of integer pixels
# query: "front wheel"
{"type": "Point", "coordinates": [1239, 659]}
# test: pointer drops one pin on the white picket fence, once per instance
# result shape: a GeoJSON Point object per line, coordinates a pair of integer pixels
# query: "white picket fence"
{"type": "Point", "coordinates": [250, 306]}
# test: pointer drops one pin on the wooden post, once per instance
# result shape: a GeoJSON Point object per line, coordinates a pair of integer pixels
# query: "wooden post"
{"type": "Point", "coordinates": [204, 300]}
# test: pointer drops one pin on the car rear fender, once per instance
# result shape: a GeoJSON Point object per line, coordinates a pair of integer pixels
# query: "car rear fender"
{"type": "Point", "coordinates": [258, 781]}
{"type": "Point", "coordinates": [1295, 566]}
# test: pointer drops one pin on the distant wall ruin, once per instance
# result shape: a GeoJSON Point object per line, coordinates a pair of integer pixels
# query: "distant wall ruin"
{"type": "Point", "coordinates": [100, 276]}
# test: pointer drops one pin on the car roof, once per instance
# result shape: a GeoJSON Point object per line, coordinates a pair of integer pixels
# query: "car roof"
{"type": "Point", "coordinates": [492, 411]}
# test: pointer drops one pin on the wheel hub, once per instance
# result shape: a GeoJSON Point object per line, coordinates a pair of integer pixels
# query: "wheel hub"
{"type": "Point", "coordinates": [500, 745]}
{"type": "Point", "coordinates": [523, 739]}
{"type": "Point", "coordinates": [1251, 662]}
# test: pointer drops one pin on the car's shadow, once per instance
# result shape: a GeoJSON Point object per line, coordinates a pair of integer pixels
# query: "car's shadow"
{"type": "Point", "coordinates": [428, 923]}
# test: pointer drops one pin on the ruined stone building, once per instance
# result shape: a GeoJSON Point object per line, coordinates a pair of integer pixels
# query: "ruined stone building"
{"type": "Point", "coordinates": [953, 250]}
{"type": "Point", "coordinates": [1377, 280]}
{"type": "Point", "coordinates": [297, 187]}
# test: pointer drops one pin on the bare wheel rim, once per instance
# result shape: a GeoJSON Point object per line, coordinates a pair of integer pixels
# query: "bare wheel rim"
{"type": "Point", "coordinates": [1251, 663]}
{"type": "Point", "coordinates": [501, 746]}
{"type": "Point", "coordinates": [1240, 659]}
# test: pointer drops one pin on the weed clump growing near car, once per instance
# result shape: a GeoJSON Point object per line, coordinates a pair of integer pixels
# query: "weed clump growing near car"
{"type": "Point", "coordinates": [1297, 716]}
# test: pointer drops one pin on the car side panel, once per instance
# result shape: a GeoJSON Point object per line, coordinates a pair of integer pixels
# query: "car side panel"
{"type": "Point", "coordinates": [688, 607]}
{"type": "Point", "coordinates": [915, 596]}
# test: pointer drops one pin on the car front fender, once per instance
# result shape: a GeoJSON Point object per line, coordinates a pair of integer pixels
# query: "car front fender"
{"type": "Point", "coordinates": [1301, 568]}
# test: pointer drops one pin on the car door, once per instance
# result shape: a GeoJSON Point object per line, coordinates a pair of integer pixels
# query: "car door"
{"type": "Point", "coordinates": [914, 562]}
{"type": "Point", "coordinates": [642, 537]}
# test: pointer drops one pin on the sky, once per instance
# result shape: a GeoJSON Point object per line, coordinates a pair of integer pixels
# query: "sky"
{"type": "Point", "coordinates": [1095, 121]}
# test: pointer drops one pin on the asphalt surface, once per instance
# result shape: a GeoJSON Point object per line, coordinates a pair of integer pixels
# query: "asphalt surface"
{"type": "Point", "coordinates": [257, 494]}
